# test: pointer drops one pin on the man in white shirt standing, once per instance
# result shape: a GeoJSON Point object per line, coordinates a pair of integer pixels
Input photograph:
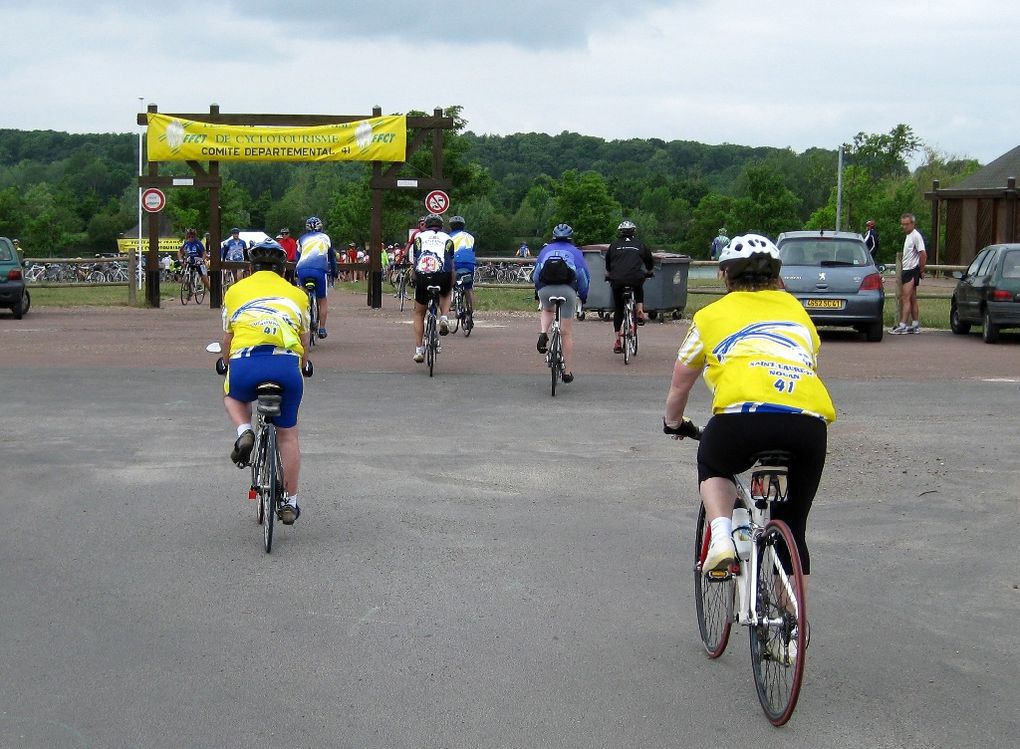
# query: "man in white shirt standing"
{"type": "Point", "coordinates": [914, 259]}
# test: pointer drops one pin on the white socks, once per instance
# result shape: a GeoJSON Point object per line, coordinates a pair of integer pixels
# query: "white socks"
{"type": "Point", "coordinates": [244, 428]}
{"type": "Point", "coordinates": [722, 528]}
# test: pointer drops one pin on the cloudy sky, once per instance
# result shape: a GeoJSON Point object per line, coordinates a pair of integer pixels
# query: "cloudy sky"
{"type": "Point", "coordinates": [786, 73]}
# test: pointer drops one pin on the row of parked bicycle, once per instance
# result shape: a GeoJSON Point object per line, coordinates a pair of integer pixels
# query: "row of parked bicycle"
{"type": "Point", "coordinates": [62, 272]}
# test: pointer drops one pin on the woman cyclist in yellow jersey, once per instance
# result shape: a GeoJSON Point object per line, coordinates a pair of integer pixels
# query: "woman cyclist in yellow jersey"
{"type": "Point", "coordinates": [758, 350]}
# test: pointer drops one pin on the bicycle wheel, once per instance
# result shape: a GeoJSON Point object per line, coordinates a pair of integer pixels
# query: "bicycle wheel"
{"type": "Point", "coordinates": [257, 480]}
{"type": "Point", "coordinates": [198, 286]}
{"type": "Point", "coordinates": [271, 489]}
{"type": "Point", "coordinates": [634, 333]}
{"type": "Point", "coordinates": [458, 311]}
{"type": "Point", "coordinates": [431, 342]}
{"type": "Point", "coordinates": [555, 359]}
{"type": "Point", "coordinates": [627, 334]}
{"type": "Point", "coordinates": [713, 599]}
{"type": "Point", "coordinates": [313, 318]}
{"type": "Point", "coordinates": [779, 640]}
{"type": "Point", "coordinates": [469, 321]}
{"type": "Point", "coordinates": [186, 288]}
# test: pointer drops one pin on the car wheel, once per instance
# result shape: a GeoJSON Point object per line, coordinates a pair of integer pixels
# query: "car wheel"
{"type": "Point", "coordinates": [873, 332]}
{"type": "Point", "coordinates": [957, 325]}
{"type": "Point", "coordinates": [990, 332]}
{"type": "Point", "coordinates": [19, 308]}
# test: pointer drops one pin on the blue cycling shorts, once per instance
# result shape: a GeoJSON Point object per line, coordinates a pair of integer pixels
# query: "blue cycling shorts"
{"type": "Point", "coordinates": [246, 373]}
{"type": "Point", "coordinates": [466, 278]}
{"type": "Point", "coordinates": [316, 274]}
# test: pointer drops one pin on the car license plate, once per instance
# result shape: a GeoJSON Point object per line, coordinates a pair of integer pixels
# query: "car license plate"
{"type": "Point", "coordinates": [825, 303]}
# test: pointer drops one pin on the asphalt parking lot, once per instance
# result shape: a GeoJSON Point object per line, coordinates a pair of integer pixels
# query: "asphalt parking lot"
{"type": "Point", "coordinates": [478, 564]}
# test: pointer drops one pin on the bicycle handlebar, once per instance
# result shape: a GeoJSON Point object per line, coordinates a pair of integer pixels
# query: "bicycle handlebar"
{"type": "Point", "coordinates": [221, 367]}
{"type": "Point", "coordinates": [687, 428]}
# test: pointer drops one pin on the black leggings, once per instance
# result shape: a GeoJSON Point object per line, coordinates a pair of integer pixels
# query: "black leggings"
{"type": "Point", "coordinates": [639, 298]}
{"type": "Point", "coordinates": [730, 440]}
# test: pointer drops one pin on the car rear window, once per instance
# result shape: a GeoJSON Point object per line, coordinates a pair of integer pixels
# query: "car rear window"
{"type": "Point", "coordinates": [1011, 264]}
{"type": "Point", "coordinates": [824, 252]}
{"type": "Point", "coordinates": [5, 252]}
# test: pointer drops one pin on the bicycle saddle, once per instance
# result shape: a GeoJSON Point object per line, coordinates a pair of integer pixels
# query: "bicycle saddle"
{"type": "Point", "coordinates": [270, 396]}
{"type": "Point", "coordinates": [773, 458]}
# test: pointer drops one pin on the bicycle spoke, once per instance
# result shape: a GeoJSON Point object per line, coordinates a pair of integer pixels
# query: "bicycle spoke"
{"type": "Point", "coordinates": [713, 599]}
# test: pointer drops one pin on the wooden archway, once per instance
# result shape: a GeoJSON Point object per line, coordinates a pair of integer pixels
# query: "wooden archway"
{"type": "Point", "coordinates": [425, 132]}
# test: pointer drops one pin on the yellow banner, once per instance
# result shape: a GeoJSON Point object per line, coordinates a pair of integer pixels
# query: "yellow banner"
{"type": "Point", "coordinates": [373, 139]}
{"type": "Point", "coordinates": [166, 244]}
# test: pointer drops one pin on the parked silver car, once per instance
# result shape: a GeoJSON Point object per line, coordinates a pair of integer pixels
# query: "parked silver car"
{"type": "Point", "coordinates": [834, 277]}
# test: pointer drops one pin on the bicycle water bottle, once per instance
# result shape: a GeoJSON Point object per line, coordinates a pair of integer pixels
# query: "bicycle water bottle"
{"type": "Point", "coordinates": [742, 532]}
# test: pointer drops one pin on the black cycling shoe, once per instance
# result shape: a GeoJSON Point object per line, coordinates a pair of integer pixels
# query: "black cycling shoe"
{"type": "Point", "coordinates": [242, 449]}
{"type": "Point", "coordinates": [568, 376]}
{"type": "Point", "coordinates": [322, 333]}
{"type": "Point", "coordinates": [543, 343]}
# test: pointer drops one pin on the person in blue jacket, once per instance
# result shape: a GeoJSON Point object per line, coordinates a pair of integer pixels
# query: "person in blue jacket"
{"type": "Point", "coordinates": [560, 270]}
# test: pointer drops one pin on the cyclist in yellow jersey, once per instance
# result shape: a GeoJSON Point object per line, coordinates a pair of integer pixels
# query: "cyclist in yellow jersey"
{"type": "Point", "coordinates": [265, 336]}
{"type": "Point", "coordinates": [758, 350]}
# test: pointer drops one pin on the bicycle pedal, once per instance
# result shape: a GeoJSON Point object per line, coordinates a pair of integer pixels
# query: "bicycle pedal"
{"type": "Point", "coordinates": [720, 575]}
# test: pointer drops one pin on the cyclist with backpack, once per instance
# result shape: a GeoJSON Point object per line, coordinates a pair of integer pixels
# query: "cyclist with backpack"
{"type": "Point", "coordinates": [560, 270]}
{"type": "Point", "coordinates": [432, 265]}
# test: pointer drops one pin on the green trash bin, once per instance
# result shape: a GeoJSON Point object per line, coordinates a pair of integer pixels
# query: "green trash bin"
{"type": "Point", "coordinates": [666, 290]}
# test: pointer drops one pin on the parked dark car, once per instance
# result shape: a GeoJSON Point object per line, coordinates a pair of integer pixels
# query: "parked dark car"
{"type": "Point", "coordinates": [988, 293]}
{"type": "Point", "coordinates": [834, 277]}
{"type": "Point", "coordinates": [13, 294]}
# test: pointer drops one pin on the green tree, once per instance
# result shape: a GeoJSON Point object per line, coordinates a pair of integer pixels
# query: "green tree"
{"type": "Point", "coordinates": [584, 202]}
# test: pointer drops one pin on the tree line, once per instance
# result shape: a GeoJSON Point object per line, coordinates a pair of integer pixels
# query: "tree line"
{"type": "Point", "coordinates": [74, 194]}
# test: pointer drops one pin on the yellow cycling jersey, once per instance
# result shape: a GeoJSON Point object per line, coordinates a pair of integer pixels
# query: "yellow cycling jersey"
{"type": "Point", "coordinates": [759, 350]}
{"type": "Point", "coordinates": [265, 310]}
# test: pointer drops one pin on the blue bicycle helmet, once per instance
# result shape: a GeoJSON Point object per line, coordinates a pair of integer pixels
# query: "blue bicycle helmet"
{"type": "Point", "coordinates": [563, 231]}
{"type": "Point", "coordinates": [314, 223]}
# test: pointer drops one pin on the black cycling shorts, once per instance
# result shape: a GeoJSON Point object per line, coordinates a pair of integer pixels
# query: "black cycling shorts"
{"type": "Point", "coordinates": [730, 440]}
{"type": "Point", "coordinates": [424, 280]}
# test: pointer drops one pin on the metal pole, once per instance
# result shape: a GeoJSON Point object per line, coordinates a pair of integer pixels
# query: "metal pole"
{"type": "Point", "coordinates": [138, 269]}
{"type": "Point", "coordinates": [839, 189]}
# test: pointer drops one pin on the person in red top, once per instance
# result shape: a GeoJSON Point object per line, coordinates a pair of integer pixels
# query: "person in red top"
{"type": "Point", "coordinates": [289, 245]}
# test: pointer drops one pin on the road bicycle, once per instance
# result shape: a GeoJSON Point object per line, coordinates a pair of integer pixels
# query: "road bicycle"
{"type": "Point", "coordinates": [432, 328]}
{"type": "Point", "coordinates": [313, 311]}
{"type": "Point", "coordinates": [629, 326]}
{"type": "Point", "coordinates": [267, 481]}
{"type": "Point", "coordinates": [763, 590]}
{"type": "Point", "coordinates": [465, 315]}
{"type": "Point", "coordinates": [403, 284]}
{"type": "Point", "coordinates": [192, 286]}
{"type": "Point", "coordinates": [554, 350]}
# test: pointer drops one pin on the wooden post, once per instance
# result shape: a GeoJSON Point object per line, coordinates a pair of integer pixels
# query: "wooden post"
{"type": "Point", "coordinates": [935, 220]}
{"type": "Point", "coordinates": [132, 277]}
{"type": "Point", "coordinates": [375, 236]}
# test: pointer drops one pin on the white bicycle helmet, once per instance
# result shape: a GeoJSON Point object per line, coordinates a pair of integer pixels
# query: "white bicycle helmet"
{"type": "Point", "coordinates": [750, 254]}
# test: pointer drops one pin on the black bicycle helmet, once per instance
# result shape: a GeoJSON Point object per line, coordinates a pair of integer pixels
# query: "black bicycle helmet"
{"type": "Point", "coordinates": [268, 253]}
{"type": "Point", "coordinates": [457, 222]}
{"type": "Point", "coordinates": [433, 221]}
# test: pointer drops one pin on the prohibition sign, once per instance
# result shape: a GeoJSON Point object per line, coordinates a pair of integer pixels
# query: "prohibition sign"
{"type": "Point", "coordinates": [437, 201]}
{"type": "Point", "coordinates": [153, 199]}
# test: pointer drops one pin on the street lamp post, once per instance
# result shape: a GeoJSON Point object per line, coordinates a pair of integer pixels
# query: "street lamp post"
{"type": "Point", "coordinates": [138, 270]}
